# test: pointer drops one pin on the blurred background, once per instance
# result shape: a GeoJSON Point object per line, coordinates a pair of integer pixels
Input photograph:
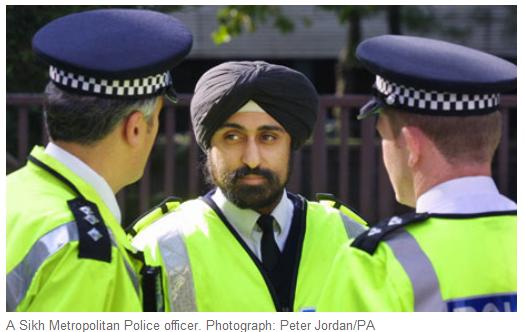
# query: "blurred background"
{"type": "Point", "coordinates": [343, 157]}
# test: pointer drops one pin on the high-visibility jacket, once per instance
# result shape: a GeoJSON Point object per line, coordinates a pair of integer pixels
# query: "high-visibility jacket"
{"type": "Point", "coordinates": [208, 267]}
{"type": "Point", "coordinates": [428, 262]}
{"type": "Point", "coordinates": [65, 249]}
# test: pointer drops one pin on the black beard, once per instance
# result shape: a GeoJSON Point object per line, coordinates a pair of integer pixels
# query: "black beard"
{"type": "Point", "coordinates": [255, 197]}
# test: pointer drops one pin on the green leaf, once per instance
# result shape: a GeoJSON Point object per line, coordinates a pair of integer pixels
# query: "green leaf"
{"type": "Point", "coordinates": [221, 35]}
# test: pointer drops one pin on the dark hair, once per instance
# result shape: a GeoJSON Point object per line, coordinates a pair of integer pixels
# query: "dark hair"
{"type": "Point", "coordinates": [460, 139]}
{"type": "Point", "coordinates": [86, 119]}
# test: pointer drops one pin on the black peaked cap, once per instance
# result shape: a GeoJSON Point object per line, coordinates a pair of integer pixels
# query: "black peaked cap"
{"type": "Point", "coordinates": [109, 46]}
{"type": "Point", "coordinates": [430, 76]}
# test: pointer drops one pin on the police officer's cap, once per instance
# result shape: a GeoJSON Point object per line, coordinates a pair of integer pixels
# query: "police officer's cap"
{"type": "Point", "coordinates": [432, 77]}
{"type": "Point", "coordinates": [124, 53]}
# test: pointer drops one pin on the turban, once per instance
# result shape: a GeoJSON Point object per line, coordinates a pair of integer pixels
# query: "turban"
{"type": "Point", "coordinates": [285, 94]}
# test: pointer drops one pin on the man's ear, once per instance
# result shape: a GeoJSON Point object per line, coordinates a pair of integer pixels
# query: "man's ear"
{"type": "Point", "coordinates": [414, 140]}
{"type": "Point", "coordinates": [133, 127]}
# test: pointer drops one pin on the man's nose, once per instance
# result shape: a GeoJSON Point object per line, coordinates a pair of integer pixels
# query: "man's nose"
{"type": "Point", "coordinates": [251, 155]}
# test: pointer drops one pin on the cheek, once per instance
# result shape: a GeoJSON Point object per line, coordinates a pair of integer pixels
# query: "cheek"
{"type": "Point", "coordinates": [154, 134]}
{"type": "Point", "coordinates": [279, 161]}
{"type": "Point", "coordinates": [153, 129]}
{"type": "Point", "coordinates": [156, 125]}
{"type": "Point", "coordinates": [390, 158]}
{"type": "Point", "coordinates": [386, 148]}
{"type": "Point", "coordinates": [394, 157]}
{"type": "Point", "coordinates": [218, 161]}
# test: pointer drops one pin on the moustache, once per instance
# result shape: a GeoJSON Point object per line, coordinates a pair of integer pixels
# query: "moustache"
{"type": "Point", "coordinates": [244, 171]}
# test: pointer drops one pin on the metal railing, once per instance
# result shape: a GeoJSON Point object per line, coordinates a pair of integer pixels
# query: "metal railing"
{"type": "Point", "coordinates": [343, 156]}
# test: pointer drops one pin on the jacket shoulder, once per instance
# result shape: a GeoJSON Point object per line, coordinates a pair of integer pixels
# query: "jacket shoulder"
{"type": "Point", "coordinates": [158, 212]}
{"type": "Point", "coordinates": [165, 222]}
{"type": "Point", "coordinates": [369, 240]}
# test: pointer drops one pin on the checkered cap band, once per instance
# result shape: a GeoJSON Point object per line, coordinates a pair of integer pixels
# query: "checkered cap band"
{"type": "Point", "coordinates": [138, 87]}
{"type": "Point", "coordinates": [398, 95]}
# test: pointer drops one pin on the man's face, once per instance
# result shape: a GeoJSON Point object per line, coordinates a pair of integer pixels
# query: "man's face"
{"type": "Point", "coordinates": [249, 160]}
{"type": "Point", "coordinates": [395, 157]}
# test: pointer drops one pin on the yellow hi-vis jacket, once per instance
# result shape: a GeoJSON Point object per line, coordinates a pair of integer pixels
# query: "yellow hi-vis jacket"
{"type": "Point", "coordinates": [208, 267]}
{"type": "Point", "coordinates": [428, 262]}
{"type": "Point", "coordinates": [65, 250]}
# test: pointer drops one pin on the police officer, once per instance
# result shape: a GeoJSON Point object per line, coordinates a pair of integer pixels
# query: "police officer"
{"type": "Point", "coordinates": [436, 105]}
{"type": "Point", "coordinates": [66, 250]}
{"type": "Point", "coordinates": [249, 244]}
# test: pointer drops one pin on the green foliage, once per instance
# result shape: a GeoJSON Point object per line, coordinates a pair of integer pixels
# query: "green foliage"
{"type": "Point", "coordinates": [236, 19]}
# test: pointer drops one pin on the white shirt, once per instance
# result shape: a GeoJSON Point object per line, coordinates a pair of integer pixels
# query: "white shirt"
{"type": "Point", "coordinates": [244, 221]}
{"type": "Point", "coordinates": [471, 194]}
{"type": "Point", "coordinates": [87, 174]}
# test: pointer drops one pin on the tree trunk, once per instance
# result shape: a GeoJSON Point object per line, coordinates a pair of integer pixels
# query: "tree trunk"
{"type": "Point", "coordinates": [346, 81]}
{"type": "Point", "coordinates": [394, 19]}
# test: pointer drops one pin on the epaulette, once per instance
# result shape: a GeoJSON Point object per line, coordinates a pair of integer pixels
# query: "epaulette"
{"type": "Point", "coordinates": [332, 201]}
{"type": "Point", "coordinates": [369, 240]}
{"type": "Point", "coordinates": [167, 205]}
{"type": "Point", "coordinates": [93, 236]}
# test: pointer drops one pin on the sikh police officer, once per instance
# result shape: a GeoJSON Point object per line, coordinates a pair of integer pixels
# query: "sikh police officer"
{"type": "Point", "coordinates": [66, 250]}
{"type": "Point", "coordinates": [249, 244]}
{"type": "Point", "coordinates": [437, 115]}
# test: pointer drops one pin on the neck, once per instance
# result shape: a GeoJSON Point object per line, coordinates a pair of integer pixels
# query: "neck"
{"type": "Point", "coordinates": [100, 158]}
{"type": "Point", "coordinates": [424, 181]}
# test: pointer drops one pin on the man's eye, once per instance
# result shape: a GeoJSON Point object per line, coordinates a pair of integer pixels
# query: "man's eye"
{"type": "Point", "coordinates": [231, 137]}
{"type": "Point", "coordinates": [268, 137]}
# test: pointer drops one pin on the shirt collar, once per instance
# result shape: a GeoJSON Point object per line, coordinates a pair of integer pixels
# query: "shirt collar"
{"type": "Point", "coordinates": [471, 194]}
{"type": "Point", "coordinates": [87, 174]}
{"type": "Point", "coordinates": [244, 220]}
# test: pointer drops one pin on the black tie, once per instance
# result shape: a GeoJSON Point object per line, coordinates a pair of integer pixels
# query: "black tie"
{"type": "Point", "coordinates": [269, 249]}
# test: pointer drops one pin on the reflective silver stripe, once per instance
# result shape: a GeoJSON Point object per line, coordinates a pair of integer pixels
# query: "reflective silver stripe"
{"type": "Point", "coordinates": [181, 289]}
{"type": "Point", "coordinates": [133, 276]}
{"type": "Point", "coordinates": [19, 279]}
{"type": "Point", "coordinates": [131, 272]}
{"type": "Point", "coordinates": [353, 228]}
{"type": "Point", "coordinates": [427, 294]}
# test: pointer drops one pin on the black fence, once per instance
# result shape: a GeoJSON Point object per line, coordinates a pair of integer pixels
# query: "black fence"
{"type": "Point", "coordinates": [343, 157]}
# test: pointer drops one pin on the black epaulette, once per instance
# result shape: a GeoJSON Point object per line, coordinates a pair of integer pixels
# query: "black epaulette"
{"type": "Point", "coordinates": [93, 236]}
{"type": "Point", "coordinates": [163, 207]}
{"type": "Point", "coordinates": [369, 240]}
{"type": "Point", "coordinates": [345, 209]}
